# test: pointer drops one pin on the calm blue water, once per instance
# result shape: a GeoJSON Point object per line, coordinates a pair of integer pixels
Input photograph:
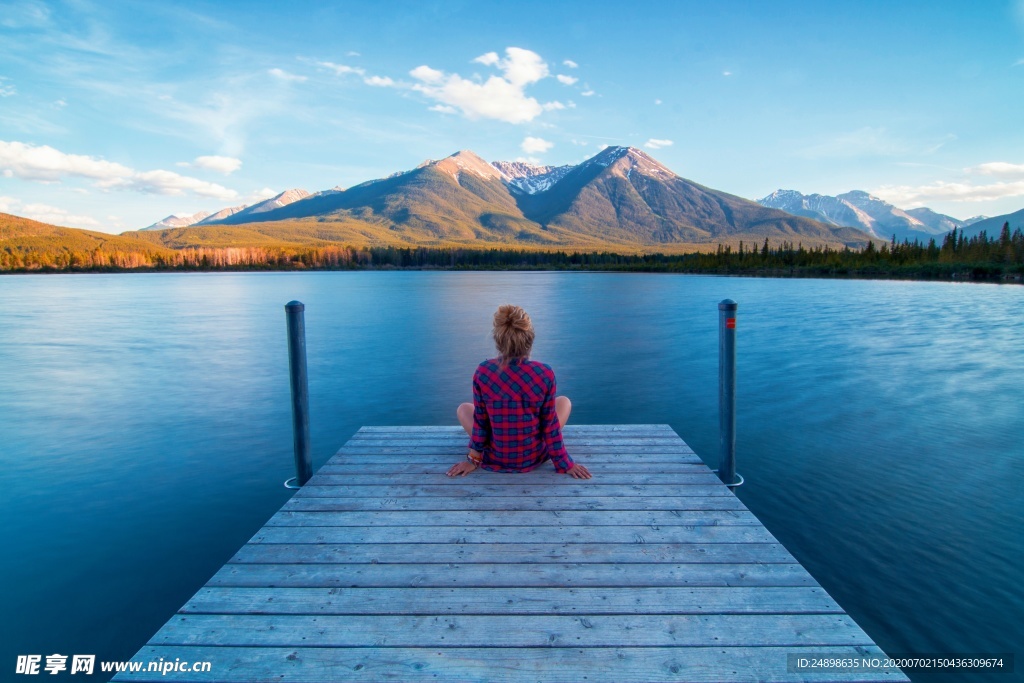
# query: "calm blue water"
{"type": "Point", "coordinates": [145, 426]}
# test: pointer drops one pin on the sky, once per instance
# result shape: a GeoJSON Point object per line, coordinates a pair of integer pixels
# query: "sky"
{"type": "Point", "coordinates": [114, 115]}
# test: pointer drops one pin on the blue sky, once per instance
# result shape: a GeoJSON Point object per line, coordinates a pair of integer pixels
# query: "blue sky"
{"type": "Point", "coordinates": [114, 114]}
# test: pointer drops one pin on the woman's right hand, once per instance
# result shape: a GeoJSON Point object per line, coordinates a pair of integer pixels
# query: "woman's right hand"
{"type": "Point", "coordinates": [461, 469]}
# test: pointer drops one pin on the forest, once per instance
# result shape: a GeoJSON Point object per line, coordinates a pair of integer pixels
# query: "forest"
{"type": "Point", "coordinates": [979, 257]}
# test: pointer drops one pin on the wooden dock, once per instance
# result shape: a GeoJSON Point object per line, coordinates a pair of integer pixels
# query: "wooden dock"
{"type": "Point", "coordinates": [383, 568]}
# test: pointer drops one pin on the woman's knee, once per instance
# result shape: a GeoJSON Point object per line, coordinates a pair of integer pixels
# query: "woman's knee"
{"type": "Point", "coordinates": [465, 410]}
{"type": "Point", "coordinates": [563, 406]}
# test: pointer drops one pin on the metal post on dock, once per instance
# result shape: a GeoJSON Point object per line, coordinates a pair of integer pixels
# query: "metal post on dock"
{"type": "Point", "coordinates": [300, 392]}
{"type": "Point", "coordinates": [727, 393]}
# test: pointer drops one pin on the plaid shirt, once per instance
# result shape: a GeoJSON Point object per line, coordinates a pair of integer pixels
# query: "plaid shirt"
{"type": "Point", "coordinates": [515, 426]}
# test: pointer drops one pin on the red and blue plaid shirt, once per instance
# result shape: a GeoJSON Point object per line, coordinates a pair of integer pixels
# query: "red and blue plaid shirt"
{"type": "Point", "coordinates": [515, 426]}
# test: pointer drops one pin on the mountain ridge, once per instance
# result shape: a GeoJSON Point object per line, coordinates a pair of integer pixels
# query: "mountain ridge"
{"type": "Point", "coordinates": [620, 196]}
{"type": "Point", "coordinates": [861, 210]}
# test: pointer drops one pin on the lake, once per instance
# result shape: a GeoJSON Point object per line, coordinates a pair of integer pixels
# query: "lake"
{"type": "Point", "coordinates": [145, 425]}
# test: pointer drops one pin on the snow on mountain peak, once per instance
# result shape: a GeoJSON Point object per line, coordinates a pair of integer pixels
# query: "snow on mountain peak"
{"type": "Point", "coordinates": [530, 178]}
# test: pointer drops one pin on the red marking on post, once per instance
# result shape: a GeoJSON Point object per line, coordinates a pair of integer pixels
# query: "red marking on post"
{"type": "Point", "coordinates": [730, 323]}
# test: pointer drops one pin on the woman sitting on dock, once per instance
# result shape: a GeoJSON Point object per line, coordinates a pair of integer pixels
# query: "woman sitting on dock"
{"type": "Point", "coordinates": [515, 421]}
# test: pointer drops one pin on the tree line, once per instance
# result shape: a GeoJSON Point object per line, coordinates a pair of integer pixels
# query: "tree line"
{"type": "Point", "coordinates": [959, 256]}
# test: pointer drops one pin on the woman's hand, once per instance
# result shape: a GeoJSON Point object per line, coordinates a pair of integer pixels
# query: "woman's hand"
{"type": "Point", "coordinates": [578, 471]}
{"type": "Point", "coordinates": [461, 469]}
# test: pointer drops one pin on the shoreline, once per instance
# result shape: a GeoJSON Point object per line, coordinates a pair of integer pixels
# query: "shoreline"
{"type": "Point", "coordinates": [982, 273]}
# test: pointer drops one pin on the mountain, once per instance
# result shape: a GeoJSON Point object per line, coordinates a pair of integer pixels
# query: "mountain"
{"type": "Point", "coordinates": [206, 218]}
{"type": "Point", "coordinates": [619, 198]}
{"type": "Point", "coordinates": [221, 215]}
{"type": "Point", "coordinates": [528, 178]}
{"type": "Point", "coordinates": [937, 223]}
{"type": "Point", "coordinates": [624, 195]}
{"type": "Point", "coordinates": [178, 221]}
{"type": "Point", "coordinates": [22, 238]}
{"type": "Point", "coordinates": [460, 198]}
{"type": "Point", "coordinates": [242, 214]}
{"type": "Point", "coordinates": [993, 226]}
{"type": "Point", "coordinates": [861, 210]}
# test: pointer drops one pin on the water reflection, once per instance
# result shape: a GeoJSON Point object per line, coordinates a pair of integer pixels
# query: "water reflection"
{"type": "Point", "coordinates": [144, 424]}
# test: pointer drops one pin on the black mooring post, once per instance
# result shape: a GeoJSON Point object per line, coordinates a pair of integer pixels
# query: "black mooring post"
{"type": "Point", "coordinates": [300, 391]}
{"type": "Point", "coordinates": [727, 392]}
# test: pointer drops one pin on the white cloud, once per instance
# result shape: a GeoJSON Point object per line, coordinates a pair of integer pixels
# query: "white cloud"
{"type": "Point", "coordinates": [7, 90]}
{"type": "Point", "coordinates": [341, 69]}
{"type": "Point", "coordinates": [998, 168]}
{"type": "Point", "coordinates": [727, 73]}
{"type": "Point", "coordinates": [1019, 62]}
{"type": "Point", "coordinates": [566, 80]}
{"type": "Point", "coordinates": [168, 183]}
{"type": "Point", "coordinates": [45, 213]}
{"type": "Point", "coordinates": [654, 143]}
{"type": "Point", "coordinates": [536, 145]}
{"type": "Point", "coordinates": [61, 103]}
{"type": "Point", "coordinates": [285, 76]}
{"type": "Point", "coordinates": [964, 190]}
{"type": "Point", "coordinates": [657, 101]}
{"type": "Point", "coordinates": [379, 81]}
{"type": "Point", "coordinates": [911, 196]}
{"type": "Point", "coordinates": [225, 165]}
{"type": "Point", "coordinates": [261, 195]}
{"type": "Point", "coordinates": [56, 216]}
{"type": "Point", "coordinates": [522, 67]}
{"type": "Point", "coordinates": [352, 53]}
{"type": "Point", "coordinates": [427, 75]}
{"type": "Point", "coordinates": [571, 64]}
{"type": "Point", "coordinates": [587, 93]}
{"type": "Point", "coordinates": [490, 59]}
{"type": "Point", "coordinates": [499, 97]}
{"type": "Point", "coordinates": [46, 164]}
{"type": "Point", "coordinates": [444, 109]}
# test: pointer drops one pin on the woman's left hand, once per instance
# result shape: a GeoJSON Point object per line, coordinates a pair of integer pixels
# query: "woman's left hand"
{"type": "Point", "coordinates": [461, 469]}
{"type": "Point", "coordinates": [580, 472]}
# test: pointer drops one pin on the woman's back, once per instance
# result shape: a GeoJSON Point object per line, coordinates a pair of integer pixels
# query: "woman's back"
{"type": "Point", "coordinates": [515, 423]}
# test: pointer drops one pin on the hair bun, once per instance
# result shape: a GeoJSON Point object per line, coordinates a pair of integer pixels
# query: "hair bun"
{"type": "Point", "coordinates": [512, 317]}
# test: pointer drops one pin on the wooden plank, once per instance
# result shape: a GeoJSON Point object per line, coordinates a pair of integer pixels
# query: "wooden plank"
{"type": "Point", "coordinates": [453, 455]}
{"type": "Point", "coordinates": [569, 430]}
{"type": "Point", "coordinates": [420, 467]}
{"type": "Point", "coordinates": [500, 665]}
{"type": "Point", "coordinates": [722, 630]}
{"type": "Point", "coordinates": [514, 503]}
{"type": "Point", "coordinates": [382, 568]}
{"type": "Point", "coordinates": [516, 518]}
{"type": "Point", "coordinates": [535, 553]}
{"type": "Point", "coordinates": [419, 575]}
{"type": "Point", "coordinates": [548, 600]}
{"type": "Point", "coordinates": [621, 453]}
{"type": "Point", "coordinates": [472, 487]}
{"type": "Point", "coordinates": [595, 441]}
{"type": "Point", "coordinates": [542, 476]}
{"type": "Point", "coordinates": [477, 534]}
